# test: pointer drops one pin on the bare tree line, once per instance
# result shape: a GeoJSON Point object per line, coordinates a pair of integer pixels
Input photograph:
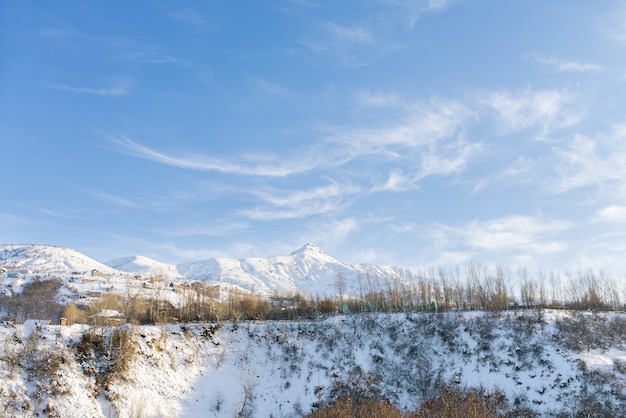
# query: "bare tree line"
{"type": "Point", "coordinates": [461, 288]}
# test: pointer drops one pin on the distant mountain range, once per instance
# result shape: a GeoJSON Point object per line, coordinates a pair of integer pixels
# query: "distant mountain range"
{"type": "Point", "coordinates": [308, 270]}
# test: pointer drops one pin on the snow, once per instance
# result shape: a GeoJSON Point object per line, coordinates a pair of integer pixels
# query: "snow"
{"type": "Point", "coordinates": [309, 271]}
{"type": "Point", "coordinates": [274, 368]}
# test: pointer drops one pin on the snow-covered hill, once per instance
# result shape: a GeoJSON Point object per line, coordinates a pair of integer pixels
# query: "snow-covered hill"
{"type": "Point", "coordinates": [545, 364]}
{"type": "Point", "coordinates": [47, 260]}
{"type": "Point", "coordinates": [308, 270]}
{"type": "Point", "coordinates": [145, 266]}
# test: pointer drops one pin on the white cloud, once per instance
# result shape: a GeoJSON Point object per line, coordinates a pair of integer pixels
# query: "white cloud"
{"type": "Point", "coordinates": [449, 159]}
{"type": "Point", "coordinates": [369, 99]}
{"type": "Point", "coordinates": [524, 109]}
{"type": "Point", "coordinates": [210, 230]}
{"type": "Point", "coordinates": [346, 35]}
{"type": "Point", "coordinates": [330, 233]}
{"type": "Point", "coordinates": [192, 17]}
{"type": "Point", "coordinates": [423, 124]}
{"type": "Point", "coordinates": [612, 214]}
{"type": "Point", "coordinates": [436, 5]}
{"type": "Point", "coordinates": [409, 11]}
{"type": "Point", "coordinates": [567, 66]}
{"type": "Point", "coordinates": [513, 233]}
{"type": "Point", "coordinates": [7, 218]}
{"type": "Point", "coordinates": [268, 87]}
{"type": "Point", "coordinates": [519, 171]}
{"type": "Point", "coordinates": [396, 182]}
{"type": "Point", "coordinates": [585, 161]}
{"type": "Point", "coordinates": [116, 200]}
{"type": "Point", "coordinates": [616, 26]}
{"type": "Point", "coordinates": [250, 165]}
{"type": "Point", "coordinates": [301, 203]}
{"type": "Point", "coordinates": [115, 91]}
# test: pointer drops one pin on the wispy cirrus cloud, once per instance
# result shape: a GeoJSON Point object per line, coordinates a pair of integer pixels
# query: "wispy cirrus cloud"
{"type": "Point", "coordinates": [115, 91]}
{"type": "Point", "coordinates": [192, 17]}
{"type": "Point", "coordinates": [288, 204]}
{"type": "Point", "coordinates": [443, 160]}
{"type": "Point", "coordinates": [343, 35]}
{"type": "Point", "coordinates": [368, 99]}
{"type": "Point", "coordinates": [598, 161]}
{"type": "Point", "coordinates": [408, 12]}
{"type": "Point", "coordinates": [567, 66]}
{"type": "Point", "coordinates": [250, 165]}
{"type": "Point", "coordinates": [267, 87]}
{"type": "Point", "coordinates": [225, 228]}
{"type": "Point", "coordinates": [524, 109]}
{"type": "Point", "coordinates": [616, 23]}
{"type": "Point", "coordinates": [522, 170]}
{"type": "Point", "coordinates": [348, 45]}
{"type": "Point", "coordinates": [7, 218]}
{"type": "Point", "coordinates": [330, 233]}
{"type": "Point", "coordinates": [368, 38]}
{"type": "Point", "coordinates": [422, 124]}
{"type": "Point", "coordinates": [447, 159]}
{"type": "Point", "coordinates": [513, 233]}
{"type": "Point", "coordinates": [113, 199]}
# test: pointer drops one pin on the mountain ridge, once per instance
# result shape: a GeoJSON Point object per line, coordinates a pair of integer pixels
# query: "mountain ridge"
{"type": "Point", "coordinates": [308, 270]}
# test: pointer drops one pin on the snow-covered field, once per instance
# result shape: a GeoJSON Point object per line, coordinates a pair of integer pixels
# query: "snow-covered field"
{"type": "Point", "coordinates": [556, 362]}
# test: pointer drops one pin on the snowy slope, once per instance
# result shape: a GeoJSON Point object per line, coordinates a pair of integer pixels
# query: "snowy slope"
{"type": "Point", "coordinates": [48, 260]}
{"type": "Point", "coordinates": [263, 369]}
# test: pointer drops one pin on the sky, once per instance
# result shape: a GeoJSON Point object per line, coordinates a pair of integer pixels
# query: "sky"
{"type": "Point", "coordinates": [402, 132]}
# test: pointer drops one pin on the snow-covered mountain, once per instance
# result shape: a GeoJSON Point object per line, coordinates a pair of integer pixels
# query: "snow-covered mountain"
{"type": "Point", "coordinates": [308, 270]}
{"type": "Point", "coordinates": [48, 260]}
{"type": "Point", "coordinates": [145, 266]}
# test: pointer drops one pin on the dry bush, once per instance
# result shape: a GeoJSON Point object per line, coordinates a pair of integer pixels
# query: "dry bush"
{"type": "Point", "coordinates": [37, 300]}
{"type": "Point", "coordinates": [455, 401]}
{"type": "Point", "coordinates": [122, 350]}
{"type": "Point", "coordinates": [108, 357]}
{"type": "Point", "coordinates": [583, 331]}
{"type": "Point", "coordinates": [74, 315]}
{"type": "Point", "coordinates": [348, 408]}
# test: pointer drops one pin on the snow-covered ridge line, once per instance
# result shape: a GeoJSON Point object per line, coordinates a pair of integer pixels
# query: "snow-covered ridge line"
{"type": "Point", "coordinates": [308, 270]}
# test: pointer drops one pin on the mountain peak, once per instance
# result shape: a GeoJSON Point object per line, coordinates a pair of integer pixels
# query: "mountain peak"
{"type": "Point", "coordinates": [308, 248]}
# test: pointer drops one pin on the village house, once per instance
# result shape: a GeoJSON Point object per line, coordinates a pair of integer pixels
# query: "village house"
{"type": "Point", "coordinates": [97, 273]}
{"type": "Point", "coordinates": [108, 317]}
{"type": "Point", "coordinates": [177, 287]}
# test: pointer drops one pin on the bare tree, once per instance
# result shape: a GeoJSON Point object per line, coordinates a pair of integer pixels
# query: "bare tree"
{"type": "Point", "coordinates": [340, 286]}
{"type": "Point", "coordinates": [527, 288]}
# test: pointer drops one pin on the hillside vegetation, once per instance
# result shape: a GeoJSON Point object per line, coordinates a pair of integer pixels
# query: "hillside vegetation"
{"type": "Point", "coordinates": [526, 363]}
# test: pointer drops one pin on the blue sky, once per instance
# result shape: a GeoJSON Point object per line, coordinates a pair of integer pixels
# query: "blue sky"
{"type": "Point", "coordinates": [412, 133]}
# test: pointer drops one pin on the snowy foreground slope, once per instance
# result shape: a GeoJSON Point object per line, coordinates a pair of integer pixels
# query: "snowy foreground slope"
{"type": "Point", "coordinates": [556, 363]}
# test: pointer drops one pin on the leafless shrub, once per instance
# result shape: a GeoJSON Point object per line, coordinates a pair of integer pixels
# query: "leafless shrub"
{"type": "Point", "coordinates": [348, 408]}
{"type": "Point", "coordinates": [584, 331]}
{"type": "Point", "coordinates": [456, 401]}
